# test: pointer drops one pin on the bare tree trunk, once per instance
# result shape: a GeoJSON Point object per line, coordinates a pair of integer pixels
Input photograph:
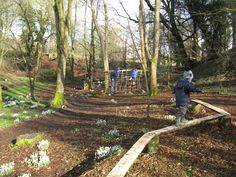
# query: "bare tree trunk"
{"type": "Point", "coordinates": [234, 28]}
{"type": "Point", "coordinates": [91, 68]}
{"type": "Point", "coordinates": [73, 33]}
{"type": "Point", "coordinates": [106, 61]}
{"type": "Point", "coordinates": [142, 45]}
{"type": "Point", "coordinates": [67, 26]}
{"type": "Point", "coordinates": [154, 61]}
{"type": "Point", "coordinates": [103, 43]}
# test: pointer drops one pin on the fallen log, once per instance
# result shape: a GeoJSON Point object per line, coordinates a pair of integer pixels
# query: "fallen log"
{"type": "Point", "coordinates": [129, 158]}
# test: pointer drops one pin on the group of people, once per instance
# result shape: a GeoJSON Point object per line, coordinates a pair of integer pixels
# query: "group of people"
{"type": "Point", "coordinates": [182, 90]}
{"type": "Point", "coordinates": [115, 77]}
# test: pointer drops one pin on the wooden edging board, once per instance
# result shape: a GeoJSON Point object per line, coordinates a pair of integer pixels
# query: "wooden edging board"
{"type": "Point", "coordinates": [129, 158]}
{"type": "Point", "coordinates": [219, 110]}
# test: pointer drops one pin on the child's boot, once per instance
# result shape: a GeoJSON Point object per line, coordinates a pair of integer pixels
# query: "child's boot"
{"type": "Point", "coordinates": [178, 121]}
{"type": "Point", "coordinates": [183, 120]}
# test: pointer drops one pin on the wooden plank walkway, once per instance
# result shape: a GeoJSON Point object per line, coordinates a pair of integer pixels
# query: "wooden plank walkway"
{"type": "Point", "coordinates": [129, 158]}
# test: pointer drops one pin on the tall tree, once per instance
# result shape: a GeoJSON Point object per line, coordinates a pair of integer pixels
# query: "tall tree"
{"type": "Point", "coordinates": [62, 31]}
{"type": "Point", "coordinates": [103, 41]}
{"type": "Point", "coordinates": [71, 58]}
{"type": "Point", "coordinates": [35, 24]}
{"type": "Point", "coordinates": [6, 19]}
{"type": "Point", "coordinates": [151, 57]}
{"type": "Point", "coordinates": [172, 22]}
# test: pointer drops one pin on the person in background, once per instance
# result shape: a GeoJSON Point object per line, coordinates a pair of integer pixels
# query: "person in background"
{"type": "Point", "coordinates": [115, 79]}
{"type": "Point", "coordinates": [182, 91]}
{"type": "Point", "coordinates": [134, 75]}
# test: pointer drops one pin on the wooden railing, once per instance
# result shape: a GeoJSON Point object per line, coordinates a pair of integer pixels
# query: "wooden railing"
{"type": "Point", "coordinates": [129, 158]}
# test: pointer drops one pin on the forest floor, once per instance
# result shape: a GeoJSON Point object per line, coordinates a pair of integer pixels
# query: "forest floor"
{"type": "Point", "coordinates": [203, 150]}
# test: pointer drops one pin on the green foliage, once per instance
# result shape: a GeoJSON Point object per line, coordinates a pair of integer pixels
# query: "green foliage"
{"type": "Point", "coordinates": [28, 141]}
{"type": "Point", "coordinates": [6, 123]}
{"type": "Point", "coordinates": [58, 100]}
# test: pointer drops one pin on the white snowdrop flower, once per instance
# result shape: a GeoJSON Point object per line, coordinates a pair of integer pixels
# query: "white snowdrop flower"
{"type": "Point", "coordinates": [21, 101]}
{"type": "Point", "coordinates": [169, 117]}
{"type": "Point", "coordinates": [43, 145]}
{"type": "Point", "coordinates": [27, 117]}
{"type": "Point", "coordinates": [7, 169]}
{"type": "Point", "coordinates": [15, 115]}
{"type": "Point", "coordinates": [49, 111]}
{"type": "Point", "coordinates": [38, 159]}
{"type": "Point", "coordinates": [7, 97]}
{"type": "Point", "coordinates": [33, 106]}
{"type": "Point", "coordinates": [104, 152]}
{"type": "Point", "coordinates": [10, 103]}
{"type": "Point", "coordinates": [113, 101]}
{"type": "Point", "coordinates": [101, 122]}
{"type": "Point", "coordinates": [16, 121]}
{"type": "Point", "coordinates": [25, 175]}
{"type": "Point", "coordinates": [25, 112]}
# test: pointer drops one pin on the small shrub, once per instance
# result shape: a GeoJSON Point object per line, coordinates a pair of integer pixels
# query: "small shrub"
{"type": "Point", "coordinates": [7, 169]}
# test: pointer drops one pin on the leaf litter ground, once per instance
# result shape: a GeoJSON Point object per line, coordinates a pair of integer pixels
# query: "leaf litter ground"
{"type": "Point", "coordinates": [203, 150]}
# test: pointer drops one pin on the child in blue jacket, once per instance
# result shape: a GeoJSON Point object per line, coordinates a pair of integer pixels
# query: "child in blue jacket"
{"type": "Point", "coordinates": [182, 91]}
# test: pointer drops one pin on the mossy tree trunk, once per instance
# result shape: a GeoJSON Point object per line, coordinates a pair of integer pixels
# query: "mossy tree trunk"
{"type": "Point", "coordinates": [62, 30]}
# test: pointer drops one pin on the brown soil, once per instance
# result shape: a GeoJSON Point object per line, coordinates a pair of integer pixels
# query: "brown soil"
{"type": "Point", "coordinates": [203, 150]}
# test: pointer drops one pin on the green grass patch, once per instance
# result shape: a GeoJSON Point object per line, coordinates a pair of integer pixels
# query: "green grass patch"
{"type": "Point", "coordinates": [17, 106]}
{"type": "Point", "coordinates": [4, 123]}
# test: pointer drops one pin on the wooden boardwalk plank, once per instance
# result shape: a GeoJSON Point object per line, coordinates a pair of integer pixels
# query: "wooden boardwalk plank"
{"type": "Point", "coordinates": [219, 110]}
{"type": "Point", "coordinates": [129, 158]}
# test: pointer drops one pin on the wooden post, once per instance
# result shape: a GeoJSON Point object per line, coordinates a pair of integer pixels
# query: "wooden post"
{"type": "Point", "coordinates": [224, 122]}
{"type": "Point", "coordinates": [153, 146]}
